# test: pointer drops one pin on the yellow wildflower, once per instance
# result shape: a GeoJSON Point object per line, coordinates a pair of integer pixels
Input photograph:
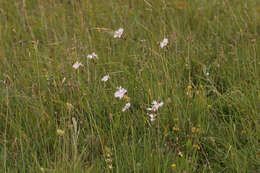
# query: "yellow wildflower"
{"type": "Point", "coordinates": [69, 106]}
{"type": "Point", "coordinates": [189, 87]}
{"type": "Point", "coordinates": [173, 165]}
{"type": "Point", "coordinates": [176, 128]}
{"type": "Point", "coordinates": [60, 132]}
{"type": "Point", "coordinates": [196, 146]}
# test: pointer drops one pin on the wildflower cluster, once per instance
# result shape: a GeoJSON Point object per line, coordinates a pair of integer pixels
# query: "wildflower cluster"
{"type": "Point", "coordinates": [155, 106]}
{"type": "Point", "coordinates": [77, 64]}
{"type": "Point", "coordinates": [122, 92]}
{"type": "Point", "coordinates": [154, 109]}
{"type": "Point", "coordinates": [93, 55]}
{"type": "Point", "coordinates": [108, 158]}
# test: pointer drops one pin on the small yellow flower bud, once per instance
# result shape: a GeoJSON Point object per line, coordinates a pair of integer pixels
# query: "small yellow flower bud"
{"type": "Point", "coordinates": [60, 132]}
{"type": "Point", "coordinates": [127, 98]}
{"type": "Point", "coordinates": [196, 146]}
{"type": "Point", "coordinates": [69, 106]}
{"type": "Point", "coordinates": [173, 165]}
{"type": "Point", "coordinates": [176, 128]}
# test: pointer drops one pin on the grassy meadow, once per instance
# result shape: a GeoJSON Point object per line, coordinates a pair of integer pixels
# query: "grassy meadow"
{"type": "Point", "coordinates": [202, 87]}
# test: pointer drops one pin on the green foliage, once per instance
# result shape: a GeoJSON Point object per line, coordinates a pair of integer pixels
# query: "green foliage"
{"type": "Point", "coordinates": [54, 118]}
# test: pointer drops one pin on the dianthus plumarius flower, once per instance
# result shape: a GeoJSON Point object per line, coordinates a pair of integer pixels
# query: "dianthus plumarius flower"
{"type": "Point", "coordinates": [77, 64]}
{"type": "Point", "coordinates": [152, 117]}
{"type": "Point", "coordinates": [118, 33]}
{"type": "Point", "coordinates": [164, 42]}
{"type": "Point", "coordinates": [127, 106]}
{"type": "Point", "coordinates": [105, 78]}
{"type": "Point", "coordinates": [180, 154]}
{"type": "Point", "coordinates": [93, 55]}
{"type": "Point", "coordinates": [155, 106]}
{"type": "Point", "coordinates": [120, 92]}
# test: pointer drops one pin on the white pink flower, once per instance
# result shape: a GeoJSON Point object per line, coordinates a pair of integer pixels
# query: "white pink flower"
{"type": "Point", "coordinates": [164, 42]}
{"type": "Point", "coordinates": [127, 106]}
{"type": "Point", "coordinates": [77, 64]}
{"type": "Point", "coordinates": [105, 78]}
{"type": "Point", "coordinates": [155, 106]}
{"type": "Point", "coordinates": [93, 55]}
{"type": "Point", "coordinates": [118, 33]}
{"type": "Point", "coordinates": [152, 117]}
{"type": "Point", "coordinates": [120, 92]}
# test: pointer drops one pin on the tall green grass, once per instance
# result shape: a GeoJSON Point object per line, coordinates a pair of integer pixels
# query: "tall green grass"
{"type": "Point", "coordinates": [54, 118]}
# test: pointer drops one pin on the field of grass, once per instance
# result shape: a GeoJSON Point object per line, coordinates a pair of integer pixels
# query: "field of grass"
{"type": "Point", "coordinates": [55, 118]}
